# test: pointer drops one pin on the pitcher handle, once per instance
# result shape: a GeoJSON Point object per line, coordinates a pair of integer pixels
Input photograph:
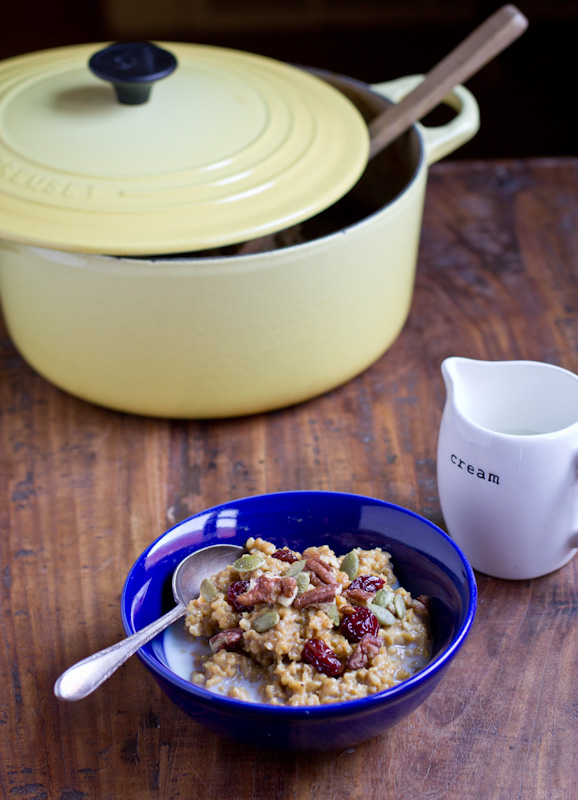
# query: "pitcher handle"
{"type": "Point", "coordinates": [574, 536]}
{"type": "Point", "coordinates": [439, 140]}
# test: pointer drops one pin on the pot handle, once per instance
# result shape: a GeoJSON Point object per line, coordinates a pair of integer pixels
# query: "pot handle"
{"type": "Point", "coordinates": [440, 140]}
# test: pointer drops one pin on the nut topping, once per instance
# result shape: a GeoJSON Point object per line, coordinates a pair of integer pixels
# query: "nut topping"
{"type": "Point", "coordinates": [364, 588]}
{"type": "Point", "coordinates": [321, 569]}
{"type": "Point", "coordinates": [360, 595]}
{"type": "Point", "coordinates": [320, 594]}
{"type": "Point", "coordinates": [367, 647]}
{"type": "Point", "coordinates": [304, 619]}
{"type": "Point", "coordinates": [225, 640]}
{"type": "Point", "coordinates": [269, 589]}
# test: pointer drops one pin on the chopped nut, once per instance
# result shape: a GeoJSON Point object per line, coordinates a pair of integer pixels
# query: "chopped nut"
{"type": "Point", "coordinates": [320, 594]}
{"type": "Point", "coordinates": [224, 640]}
{"type": "Point", "coordinates": [360, 595]}
{"type": "Point", "coordinates": [314, 580]}
{"type": "Point", "coordinates": [305, 619]}
{"type": "Point", "coordinates": [364, 588]}
{"type": "Point", "coordinates": [270, 589]}
{"type": "Point", "coordinates": [367, 647]}
{"type": "Point", "coordinates": [321, 569]}
{"type": "Point", "coordinates": [288, 590]}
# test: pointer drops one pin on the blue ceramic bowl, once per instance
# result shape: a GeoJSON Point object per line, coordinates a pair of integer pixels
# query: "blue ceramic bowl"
{"type": "Point", "coordinates": [425, 560]}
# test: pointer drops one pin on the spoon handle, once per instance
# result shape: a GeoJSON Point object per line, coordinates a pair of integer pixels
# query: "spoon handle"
{"type": "Point", "coordinates": [83, 678]}
{"type": "Point", "coordinates": [486, 41]}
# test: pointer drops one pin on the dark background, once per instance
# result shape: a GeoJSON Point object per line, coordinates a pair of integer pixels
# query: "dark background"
{"type": "Point", "coordinates": [524, 94]}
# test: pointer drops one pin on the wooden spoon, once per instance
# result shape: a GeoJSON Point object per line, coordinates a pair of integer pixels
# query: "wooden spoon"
{"type": "Point", "coordinates": [481, 46]}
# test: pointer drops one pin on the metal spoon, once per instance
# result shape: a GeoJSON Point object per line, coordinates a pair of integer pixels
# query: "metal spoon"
{"type": "Point", "coordinates": [83, 678]}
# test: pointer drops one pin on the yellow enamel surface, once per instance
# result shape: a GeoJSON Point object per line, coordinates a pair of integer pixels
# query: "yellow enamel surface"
{"type": "Point", "coordinates": [216, 337]}
{"type": "Point", "coordinates": [220, 337]}
{"type": "Point", "coordinates": [230, 147]}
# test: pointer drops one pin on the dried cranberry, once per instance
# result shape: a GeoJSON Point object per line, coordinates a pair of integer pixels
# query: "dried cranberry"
{"type": "Point", "coordinates": [322, 657]}
{"type": "Point", "coordinates": [368, 583]}
{"type": "Point", "coordinates": [234, 590]}
{"type": "Point", "coordinates": [357, 622]}
{"type": "Point", "coordinates": [285, 555]}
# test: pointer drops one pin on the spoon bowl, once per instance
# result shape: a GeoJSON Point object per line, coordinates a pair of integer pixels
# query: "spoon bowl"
{"type": "Point", "coordinates": [84, 677]}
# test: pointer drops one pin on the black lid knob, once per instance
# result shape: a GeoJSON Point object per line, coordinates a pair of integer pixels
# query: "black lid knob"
{"type": "Point", "coordinates": [132, 67]}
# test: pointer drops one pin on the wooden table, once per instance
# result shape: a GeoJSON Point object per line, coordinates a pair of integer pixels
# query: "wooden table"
{"type": "Point", "coordinates": [83, 490]}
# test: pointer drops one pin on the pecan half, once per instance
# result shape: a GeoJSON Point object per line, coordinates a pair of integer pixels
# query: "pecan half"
{"type": "Point", "coordinates": [270, 589]}
{"type": "Point", "coordinates": [224, 640]}
{"type": "Point", "coordinates": [321, 569]}
{"type": "Point", "coordinates": [364, 588]}
{"type": "Point", "coordinates": [320, 594]}
{"type": "Point", "coordinates": [288, 586]}
{"type": "Point", "coordinates": [367, 647]}
{"type": "Point", "coordinates": [360, 595]}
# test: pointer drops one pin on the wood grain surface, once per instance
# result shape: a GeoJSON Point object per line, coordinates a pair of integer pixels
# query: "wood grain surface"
{"type": "Point", "coordinates": [83, 490]}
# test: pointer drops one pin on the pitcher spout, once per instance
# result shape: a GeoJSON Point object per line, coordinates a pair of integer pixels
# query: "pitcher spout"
{"type": "Point", "coordinates": [463, 379]}
{"type": "Point", "coordinates": [452, 369]}
{"type": "Point", "coordinates": [459, 371]}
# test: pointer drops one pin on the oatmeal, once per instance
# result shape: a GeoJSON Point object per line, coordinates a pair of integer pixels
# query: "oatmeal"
{"type": "Point", "coordinates": [307, 628]}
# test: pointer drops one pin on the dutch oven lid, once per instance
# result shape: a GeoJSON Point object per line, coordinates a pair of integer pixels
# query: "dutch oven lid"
{"type": "Point", "coordinates": [229, 147]}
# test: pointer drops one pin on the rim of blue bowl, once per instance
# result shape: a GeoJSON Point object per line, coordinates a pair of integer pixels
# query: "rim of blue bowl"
{"type": "Point", "coordinates": [340, 708]}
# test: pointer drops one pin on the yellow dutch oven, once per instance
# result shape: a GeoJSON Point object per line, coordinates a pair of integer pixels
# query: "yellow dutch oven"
{"type": "Point", "coordinates": [217, 248]}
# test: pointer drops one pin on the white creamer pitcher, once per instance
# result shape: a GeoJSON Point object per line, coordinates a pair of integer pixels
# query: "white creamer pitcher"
{"type": "Point", "coordinates": [507, 465]}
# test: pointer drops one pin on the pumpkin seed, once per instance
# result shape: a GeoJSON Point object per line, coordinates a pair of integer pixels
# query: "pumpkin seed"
{"type": "Point", "coordinates": [264, 622]}
{"type": "Point", "coordinates": [384, 616]}
{"type": "Point", "coordinates": [384, 598]}
{"type": "Point", "coordinates": [208, 590]}
{"type": "Point", "coordinates": [350, 565]}
{"type": "Point", "coordinates": [333, 614]}
{"type": "Point", "coordinates": [399, 606]}
{"type": "Point", "coordinates": [295, 568]}
{"type": "Point", "coordinates": [303, 582]}
{"type": "Point", "coordinates": [248, 562]}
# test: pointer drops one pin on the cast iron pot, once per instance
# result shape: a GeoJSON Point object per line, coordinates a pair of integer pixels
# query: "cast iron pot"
{"type": "Point", "coordinates": [234, 332]}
